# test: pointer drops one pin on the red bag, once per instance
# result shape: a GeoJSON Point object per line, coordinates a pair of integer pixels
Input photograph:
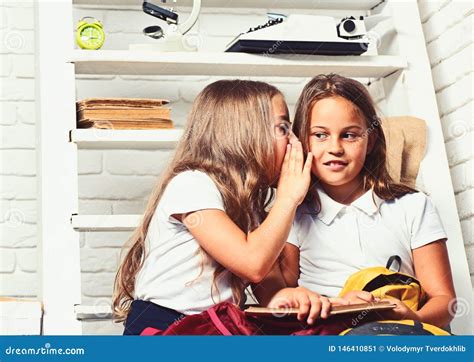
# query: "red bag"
{"type": "Point", "coordinates": [228, 320]}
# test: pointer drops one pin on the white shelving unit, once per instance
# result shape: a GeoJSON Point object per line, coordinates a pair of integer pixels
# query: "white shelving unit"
{"type": "Point", "coordinates": [404, 72]}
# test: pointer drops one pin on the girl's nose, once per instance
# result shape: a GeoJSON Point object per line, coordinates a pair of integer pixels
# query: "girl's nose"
{"type": "Point", "coordinates": [335, 148]}
{"type": "Point", "coordinates": [292, 139]}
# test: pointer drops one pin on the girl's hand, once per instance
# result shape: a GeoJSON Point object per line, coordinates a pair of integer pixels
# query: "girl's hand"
{"type": "Point", "coordinates": [311, 305]}
{"type": "Point", "coordinates": [295, 174]}
{"type": "Point", "coordinates": [401, 311]}
{"type": "Point", "coordinates": [338, 301]}
{"type": "Point", "coordinates": [358, 297]}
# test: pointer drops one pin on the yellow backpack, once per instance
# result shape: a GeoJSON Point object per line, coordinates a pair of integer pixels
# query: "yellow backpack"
{"type": "Point", "coordinates": [382, 282]}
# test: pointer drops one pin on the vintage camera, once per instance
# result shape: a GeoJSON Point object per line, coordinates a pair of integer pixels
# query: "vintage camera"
{"type": "Point", "coordinates": [351, 28]}
{"type": "Point", "coordinates": [160, 13]}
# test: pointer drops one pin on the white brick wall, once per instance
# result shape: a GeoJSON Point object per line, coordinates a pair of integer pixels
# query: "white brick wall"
{"type": "Point", "coordinates": [119, 182]}
{"type": "Point", "coordinates": [448, 26]}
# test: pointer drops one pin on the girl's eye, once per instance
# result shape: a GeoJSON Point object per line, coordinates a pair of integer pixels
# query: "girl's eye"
{"type": "Point", "coordinates": [283, 129]}
{"type": "Point", "coordinates": [350, 136]}
{"type": "Point", "coordinates": [320, 136]}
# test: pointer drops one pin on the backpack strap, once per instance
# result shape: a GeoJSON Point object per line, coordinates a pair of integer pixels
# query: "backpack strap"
{"type": "Point", "coordinates": [217, 322]}
{"type": "Point", "coordinates": [391, 260]}
{"type": "Point", "coordinates": [389, 279]}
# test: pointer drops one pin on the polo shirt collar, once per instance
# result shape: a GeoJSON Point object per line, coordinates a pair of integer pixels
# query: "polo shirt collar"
{"type": "Point", "coordinates": [369, 203]}
{"type": "Point", "coordinates": [329, 207]}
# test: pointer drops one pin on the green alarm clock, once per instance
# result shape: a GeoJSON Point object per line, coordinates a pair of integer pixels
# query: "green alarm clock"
{"type": "Point", "coordinates": [90, 35]}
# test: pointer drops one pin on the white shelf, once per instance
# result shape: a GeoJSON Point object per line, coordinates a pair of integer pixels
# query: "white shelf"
{"type": "Point", "coordinates": [231, 64]}
{"type": "Point", "coordinates": [105, 222]}
{"type": "Point", "coordinates": [280, 4]}
{"type": "Point", "coordinates": [92, 138]}
{"type": "Point", "coordinates": [92, 312]}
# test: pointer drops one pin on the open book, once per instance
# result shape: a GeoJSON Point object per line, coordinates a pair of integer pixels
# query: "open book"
{"type": "Point", "coordinates": [335, 310]}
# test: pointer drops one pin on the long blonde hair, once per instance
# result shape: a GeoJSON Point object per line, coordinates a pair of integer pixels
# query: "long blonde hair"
{"type": "Point", "coordinates": [375, 173]}
{"type": "Point", "coordinates": [229, 135]}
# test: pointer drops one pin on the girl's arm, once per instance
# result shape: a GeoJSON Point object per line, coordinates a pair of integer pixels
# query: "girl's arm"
{"type": "Point", "coordinates": [269, 286]}
{"type": "Point", "coordinates": [290, 264]}
{"type": "Point", "coordinates": [433, 271]}
{"type": "Point", "coordinates": [251, 256]}
{"type": "Point", "coordinates": [284, 273]}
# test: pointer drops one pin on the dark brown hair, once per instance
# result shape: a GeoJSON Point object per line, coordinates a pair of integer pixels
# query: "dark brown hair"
{"type": "Point", "coordinates": [374, 172]}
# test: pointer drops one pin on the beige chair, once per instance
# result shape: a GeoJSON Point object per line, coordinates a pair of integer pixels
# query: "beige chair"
{"type": "Point", "coordinates": [406, 142]}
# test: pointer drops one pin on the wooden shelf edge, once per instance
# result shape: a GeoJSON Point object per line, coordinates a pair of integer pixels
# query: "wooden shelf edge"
{"type": "Point", "coordinates": [92, 138]}
{"type": "Point", "coordinates": [93, 312]}
{"type": "Point", "coordinates": [236, 64]}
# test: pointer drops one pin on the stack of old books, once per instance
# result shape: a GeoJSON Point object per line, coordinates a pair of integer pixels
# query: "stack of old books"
{"type": "Point", "coordinates": [123, 113]}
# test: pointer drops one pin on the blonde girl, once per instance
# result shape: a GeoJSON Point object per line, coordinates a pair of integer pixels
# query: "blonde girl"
{"type": "Point", "coordinates": [206, 234]}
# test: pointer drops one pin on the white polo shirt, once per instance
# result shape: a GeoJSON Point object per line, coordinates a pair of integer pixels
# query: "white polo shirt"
{"type": "Point", "coordinates": [176, 273]}
{"type": "Point", "coordinates": [342, 240]}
